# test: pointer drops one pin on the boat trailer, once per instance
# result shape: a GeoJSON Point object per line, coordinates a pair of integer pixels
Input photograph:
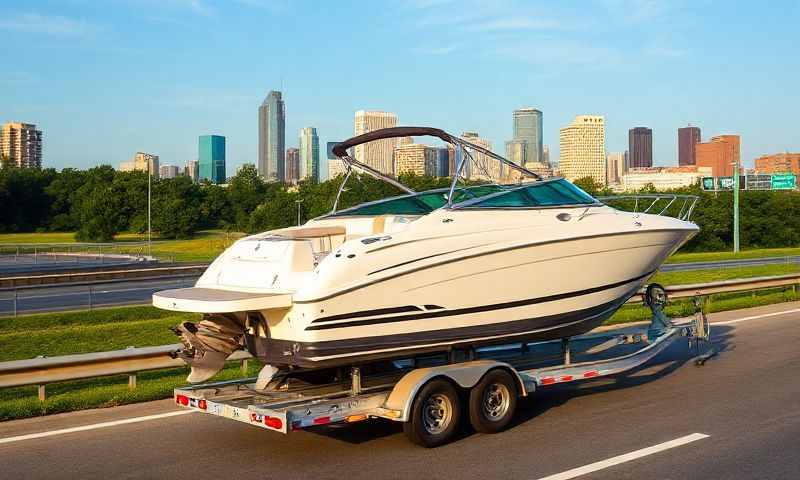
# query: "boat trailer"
{"type": "Point", "coordinates": [426, 392]}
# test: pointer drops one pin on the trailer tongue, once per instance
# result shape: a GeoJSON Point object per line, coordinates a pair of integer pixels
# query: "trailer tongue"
{"type": "Point", "coordinates": [423, 392]}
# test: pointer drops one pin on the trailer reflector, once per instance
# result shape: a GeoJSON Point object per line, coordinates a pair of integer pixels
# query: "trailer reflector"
{"type": "Point", "coordinates": [355, 418]}
{"type": "Point", "coordinates": [201, 404]}
{"type": "Point", "coordinates": [273, 422]}
{"type": "Point", "coordinates": [182, 400]}
{"type": "Point", "coordinates": [548, 381]}
{"type": "Point", "coordinates": [591, 373]}
{"type": "Point", "coordinates": [322, 420]}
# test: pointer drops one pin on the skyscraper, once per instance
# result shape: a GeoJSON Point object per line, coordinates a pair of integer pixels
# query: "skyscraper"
{"type": "Point", "coordinates": [688, 138]}
{"type": "Point", "coordinates": [779, 163]}
{"type": "Point", "coordinates": [528, 127]}
{"type": "Point", "coordinates": [516, 150]}
{"type": "Point", "coordinates": [378, 154]}
{"type": "Point", "coordinates": [615, 167]}
{"type": "Point", "coordinates": [443, 162]}
{"type": "Point", "coordinates": [272, 138]}
{"type": "Point", "coordinates": [292, 165]}
{"type": "Point", "coordinates": [583, 148]}
{"type": "Point", "coordinates": [481, 167]}
{"type": "Point", "coordinates": [720, 153]}
{"type": "Point", "coordinates": [211, 158]}
{"type": "Point", "coordinates": [336, 165]}
{"type": "Point", "coordinates": [143, 162]}
{"type": "Point", "coordinates": [640, 146]}
{"type": "Point", "coordinates": [546, 158]}
{"type": "Point", "coordinates": [417, 159]}
{"type": "Point", "coordinates": [168, 171]}
{"type": "Point", "coordinates": [21, 143]}
{"type": "Point", "coordinates": [309, 154]}
{"type": "Point", "coordinates": [192, 170]}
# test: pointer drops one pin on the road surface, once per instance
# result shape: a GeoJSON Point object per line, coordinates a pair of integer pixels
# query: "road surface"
{"type": "Point", "coordinates": [749, 262]}
{"type": "Point", "coordinates": [738, 417]}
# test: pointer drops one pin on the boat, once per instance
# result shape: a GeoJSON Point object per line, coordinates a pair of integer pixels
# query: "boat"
{"type": "Point", "coordinates": [456, 268]}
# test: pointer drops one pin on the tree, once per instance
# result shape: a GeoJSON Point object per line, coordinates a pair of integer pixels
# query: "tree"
{"type": "Point", "coordinates": [176, 210]}
{"type": "Point", "coordinates": [246, 191]}
{"type": "Point", "coordinates": [588, 185]}
{"type": "Point", "coordinates": [63, 192]}
{"type": "Point", "coordinates": [98, 206]}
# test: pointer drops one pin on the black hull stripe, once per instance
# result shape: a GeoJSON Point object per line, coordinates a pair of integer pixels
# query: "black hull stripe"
{"type": "Point", "coordinates": [548, 327]}
{"type": "Point", "coordinates": [370, 313]}
{"type": "Point", "coordinates": [476, 309]}
{"type": "Point", "coordinates": [481, 254]}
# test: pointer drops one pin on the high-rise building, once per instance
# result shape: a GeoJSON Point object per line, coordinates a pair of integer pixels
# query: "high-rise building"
{"type": "Point", "coordinates": [192, 170]}
{"type": "Point", "coordinates": [21, 144]}
{"type": "Point", "coordinates": [779, 163]}
{"type": "Point", "coordinates": [640, 146]}
{"type": "Point", "coordinates": [168, 171]}
{"type": "Point", "coordinates": [292, 165]}
{"type": "Point", "coordinates": [309, 154]}
{"type": "Point", "coordinates": [482, 167]}
{"type": "Point", "coordinates": [528, 127]}
{"type": "Point", "coordinates": [546, 158]}
{"type": "Point", "coordinates": [720, 153]}
{"type": "Point", "coordinates": [688, 138]}
{"type": "Point", "coordinates": [583, 148]}
{"type": "Point", "coordinates": [143, 162]}
{"type": "Point", "coordinates": [272, 138]}
{"type": "Point", "coordinates": [211, 158]}
{"type": "Point", "coordinates": [378, 154]}
{"type": "Point", "coordinates": [417, 159]}
{"type": "Point", "coordinates": [615, 167]}
{"type": "Point", "coordinates": [336, 165]}
{"type": "Point", "coordinates": [516, 150]}
{"type": "Point", "coordinates": [443, 162]}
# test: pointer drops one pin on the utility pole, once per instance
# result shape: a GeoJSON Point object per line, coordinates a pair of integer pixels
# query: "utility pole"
{"type": "Point", "coordinates": [298, 202]}
{"type": "Point", "coordinates": [736, 207]}
{"type": "Point", "coordinates": [149, 201]}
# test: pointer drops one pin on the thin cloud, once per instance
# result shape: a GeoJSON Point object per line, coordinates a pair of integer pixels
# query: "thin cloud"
{"type": "Point", "coordinates": [514, 23]}
{"type": "Point", "coordinates": [46, 24]}
{"type": "Point", "coordinates": [443, 50]}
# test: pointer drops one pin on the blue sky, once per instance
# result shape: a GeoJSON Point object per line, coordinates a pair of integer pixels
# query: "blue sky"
{"type": "Point", "coordinates": [107, 78]}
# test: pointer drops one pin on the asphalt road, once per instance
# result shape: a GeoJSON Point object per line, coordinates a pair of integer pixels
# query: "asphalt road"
{"type": "Point", "coordinates": [746, 400]}
{"type": "Point", "coordinates": [75, 297]}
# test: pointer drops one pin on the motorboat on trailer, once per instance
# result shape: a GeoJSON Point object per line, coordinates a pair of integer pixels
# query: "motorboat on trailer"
{"type": "Point", "coordinates": [433, 271]}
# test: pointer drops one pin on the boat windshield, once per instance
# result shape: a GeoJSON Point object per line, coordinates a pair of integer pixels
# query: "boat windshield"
{"type": "Point", "coordinates": [549, 193]}
{"type": "Point", "coordinates": [420, 203]}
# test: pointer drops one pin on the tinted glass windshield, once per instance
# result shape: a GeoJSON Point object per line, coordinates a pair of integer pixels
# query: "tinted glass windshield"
{"type": "Point", "coordinates": [552, 193]}
{"type": "Point", "coordinates": [419, 204]}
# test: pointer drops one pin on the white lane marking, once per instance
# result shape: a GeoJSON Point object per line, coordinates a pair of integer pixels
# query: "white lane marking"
{"type": "Point", "coordinates": [593, 467]}
{"type": "Point", "coordinates": [755, 317]}
{"type": "Point", "coordinates": [95, 426]}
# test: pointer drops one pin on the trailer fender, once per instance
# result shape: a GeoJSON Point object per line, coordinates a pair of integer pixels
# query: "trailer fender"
{"type": "Point", "coordinates": [466, 375]}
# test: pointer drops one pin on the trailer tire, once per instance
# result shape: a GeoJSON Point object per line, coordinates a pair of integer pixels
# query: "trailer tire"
{"type": "Point", "coordinates": [435, 414]}
{"type": "Point", "coordinates": [493, 401]}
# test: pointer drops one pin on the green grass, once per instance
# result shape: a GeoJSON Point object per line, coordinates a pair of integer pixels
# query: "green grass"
{"type": "Point", "coordinates": [718, 274]}
{"type": "Point", "coordinates": [86, 332]}
{"type": "Point", "coordinates": [204, 247]}
{"type": "Point", "coordinates": [744, 254]}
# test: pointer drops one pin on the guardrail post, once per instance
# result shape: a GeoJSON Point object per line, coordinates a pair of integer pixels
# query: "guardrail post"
{"type": "Point", "coordinates": [132, 381]}
{"type": "Point", "coordinates": [90, 297]}
{"type": "Point", "coordinates": [42, 393]}
{"type": "Point", "coordinates": [15, 302]}
{"type": "Point", "coordinates": [244, 366]}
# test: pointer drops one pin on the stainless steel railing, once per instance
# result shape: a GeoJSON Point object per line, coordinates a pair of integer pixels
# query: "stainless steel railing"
{"type": "Point", "coordinates": [652, 202]}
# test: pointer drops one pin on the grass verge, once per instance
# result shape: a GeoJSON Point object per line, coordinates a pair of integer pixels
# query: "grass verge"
{"type": "Point", "coordinates": [742, 255]}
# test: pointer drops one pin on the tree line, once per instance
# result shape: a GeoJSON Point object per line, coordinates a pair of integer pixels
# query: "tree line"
{"type": "Point", "coordinates": [101, 202]}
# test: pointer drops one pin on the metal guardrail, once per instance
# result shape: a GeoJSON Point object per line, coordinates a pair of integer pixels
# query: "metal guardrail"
{"type": "Point", "coordinates": [41, 371]}
{"type": "Point", "coordinates": [106, 275]}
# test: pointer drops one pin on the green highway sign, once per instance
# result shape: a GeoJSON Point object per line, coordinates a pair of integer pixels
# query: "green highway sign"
{"type": "Point", "coordinates": [725, 183]}
{"type": "Point", "coordinates": [786, 181]}
{"type": "Point", "coordinates": [708, 183]}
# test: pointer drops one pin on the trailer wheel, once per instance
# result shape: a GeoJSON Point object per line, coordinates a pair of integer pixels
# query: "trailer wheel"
{"type": "Point", "coordinates": [435, 414]}
{"type": "Point", "coordinates": [492, 402]}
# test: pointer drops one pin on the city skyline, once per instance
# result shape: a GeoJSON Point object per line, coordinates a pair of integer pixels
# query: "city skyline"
{"type": "Point", "coordinates": [635, 56]}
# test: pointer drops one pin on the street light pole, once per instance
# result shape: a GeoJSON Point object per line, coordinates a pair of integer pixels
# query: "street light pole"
{"type": "Point", "coordinates": [149, 201]}
{"type": "Point", "coordinates": [298, 202]}
{"type": "Point", "coordinates": [736, 207]}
